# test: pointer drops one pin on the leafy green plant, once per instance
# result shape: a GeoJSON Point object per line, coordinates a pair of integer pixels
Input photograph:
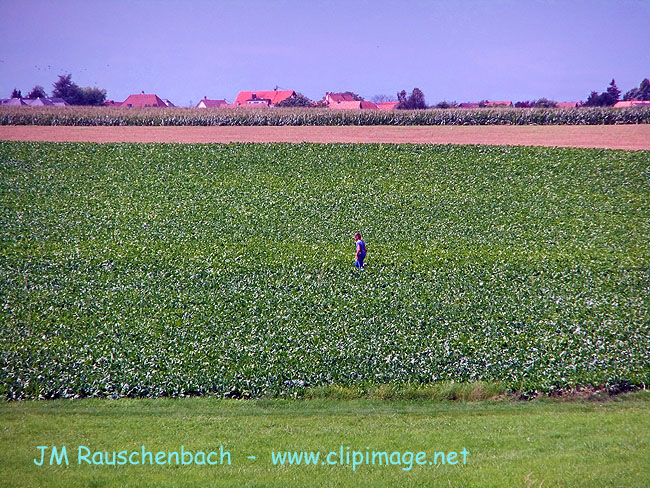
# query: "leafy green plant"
{"type": "Point", "coordinates": [132, 270]}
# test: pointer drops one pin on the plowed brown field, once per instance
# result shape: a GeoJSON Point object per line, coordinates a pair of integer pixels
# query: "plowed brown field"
{"type": "Point", "coordinates": [634, 137]}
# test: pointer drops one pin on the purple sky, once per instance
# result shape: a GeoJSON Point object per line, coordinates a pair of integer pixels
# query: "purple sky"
{"type": "Point", "coordinates": [463, 50]}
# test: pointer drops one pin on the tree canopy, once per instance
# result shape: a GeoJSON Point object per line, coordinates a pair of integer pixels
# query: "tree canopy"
{"type": "Point", "coordinates": [67, 89]}
{"type": "Point", "coordinates": [413, 102]}
{"type": "Point", "coordinates": [640, 93]}
{"type": "Point", "coordinates": [606, 98]}
{"type": "Point", "coordinates": [37, 92]}
{"type": "Point", "coordinates": [295, 100]}
{"type": "Point", "coordinates": [540, 103]}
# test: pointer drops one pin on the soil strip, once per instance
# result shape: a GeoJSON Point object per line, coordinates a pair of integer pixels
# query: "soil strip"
{"type": "Point", "coordinates": [631, 137]}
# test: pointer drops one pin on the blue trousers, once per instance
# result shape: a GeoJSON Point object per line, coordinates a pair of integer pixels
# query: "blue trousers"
{"type": "Point", "coordinates": [359, 262]}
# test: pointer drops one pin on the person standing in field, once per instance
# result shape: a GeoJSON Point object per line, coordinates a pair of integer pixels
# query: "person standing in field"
{"type": "Point", "coordinates": [361, 251]}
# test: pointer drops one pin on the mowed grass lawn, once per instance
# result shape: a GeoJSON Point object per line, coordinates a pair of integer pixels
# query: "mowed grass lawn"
{"type": "Point", "coordinates": [153, 270]}
{"type": "Point", "coordinates": [510, 444]}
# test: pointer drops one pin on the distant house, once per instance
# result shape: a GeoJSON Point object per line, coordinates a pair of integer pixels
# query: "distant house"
{"type": "Point", "coordinates": [499, 103]}
{"type": "Point", "coordinates": [567, 104]}
{"type": "Point", "coordinates": [487, 103]}
{"type": "Point", "coordinates": [59, 102]}
{"type": "Point", "coordinates": [365, 105]}
{"type": "Point", "coordinates": [144, 100]}
{"type": "Point", "coordinates": [112, 103]}
{"type": "Point", "coordinates": [354, 105]}
{"type": "Point", "coordinates": [632, 103]}
{"type": "Point", "coordinates": [387, 105]}
{"type": "Point", "coordinates": [332, 99]}
{"type": "Point", "coordinates": [34, 102]}
{"type": "Point", "coordinates": [205, 103]}
{"type": "Point", "coordinates": [262, 98]}
{"type": "Point", "coordinates": [38, 102]}
{"type": "Point", "coordinates": [12, 102]}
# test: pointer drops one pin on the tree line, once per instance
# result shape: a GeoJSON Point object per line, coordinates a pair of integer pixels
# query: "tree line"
{"type": "Point", "coordinates": [612, 95]}
{"type": "Point", "coordinates": [416, 100]}
{"type": "Point", "coordinates": [69, 91]}
{"type": "Point", "coordinates": [72, 93]}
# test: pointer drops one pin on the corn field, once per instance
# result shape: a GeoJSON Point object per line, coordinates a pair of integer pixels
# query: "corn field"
{"type": "Point", "coordinates": [105, 116]}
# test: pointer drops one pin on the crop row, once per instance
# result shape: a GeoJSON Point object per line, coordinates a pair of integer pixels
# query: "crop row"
{"type": "Point", "coordinates": [170, 270]}
{"type": "Point", "coordinates": [90, 116]}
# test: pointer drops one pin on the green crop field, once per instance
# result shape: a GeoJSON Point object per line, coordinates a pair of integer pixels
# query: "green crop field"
{"type": "Point", "coordinates": [105, 116]}
{"type": "Point", "coordinates": [170, 270]}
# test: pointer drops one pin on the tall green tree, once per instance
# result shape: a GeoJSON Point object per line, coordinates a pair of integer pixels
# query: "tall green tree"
{"type": "Point", "coordinates": [16, 93]}
{"type": "Point", "coordinates": [37, 92]}
{"type": "Point", "coordinates": [640, 93]}
{"type": "Point", "coordinates": [593, 100]}
{"type": "Point", "coordinates": [67, 89]}
{"type": "Point", "coordinates": [613, 93]}
{"type": "Point", "coordinates": [545, 103]}
{"type": "Point", "coordinates": [92, 96]}
{"type": "Point", "coordinates": [402, 100]}
{"type": "Point", "coordinates": [644, 89]}
{"type": "Point", "coordinates": [414, 101]}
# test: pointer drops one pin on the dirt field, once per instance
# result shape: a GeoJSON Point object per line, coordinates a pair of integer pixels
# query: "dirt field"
{"type": "Point", "coordinates": [634, 137]}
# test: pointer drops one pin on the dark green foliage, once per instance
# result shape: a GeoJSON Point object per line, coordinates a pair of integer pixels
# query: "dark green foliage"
{"type": "Point", "coordinates": [68, 90]}
{"type": "Point", "coordinates": [541, 103]}
{"type": "Point", "coordinates": [37, 92]}
{"type": "Point", "coordinates": [355, 96]}
{"type": "Point", "coordinates": [295, 100]}
{"type": "Point", "coordinates": [593, 100]}
{"type": "Point", "coordinates": [167, 270]}
{"type": "Point", "coordinates": [613, 94]}
{"type": "Point", "coordinates": [605, 99]}
{"type": "Point", "coordinates": [402, 99]}
{"type": "Point", "coordinates": [92, 96]}
{"type": "Point", "coordinates": [415, 101]}
{"type": "Point", "coordinates": [16, 93]}
{"type": "Point", "coordinates": [445, 104]}
{"type": "Point", "coordinates": [640, 93]}
{"type": "Point", "coordinates": [545, 103]}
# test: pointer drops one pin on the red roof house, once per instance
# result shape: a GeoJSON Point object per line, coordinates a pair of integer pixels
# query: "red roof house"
{"type": "Point", "coordinates": [205, 103]}
{"type": "Point", "coordinates": [365, 105]}
{"type": "Point", "coordinates": [387, 105]}
{"type": "Point", "coordinates": [38, 102]}
{"type": "Point", "coordinates": [334, 98]}
{"type": "Point", "coordinates": [143, 100]}
{"type": "Point", "coordinates": [262, 98]}
{"type": "Point", "coordinates": [632, 103]}
{"type": "Point", "coordinates": [500, 103]}
{"type": "Point", "coordinates": [354, 105]}
{"type": "Point", "coordinates": [567, 104]}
